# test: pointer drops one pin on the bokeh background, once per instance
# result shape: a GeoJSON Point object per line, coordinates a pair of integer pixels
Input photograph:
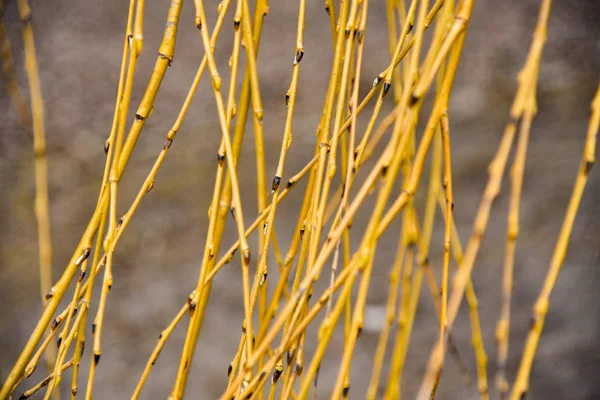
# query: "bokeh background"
{"type": "Point", "coordinates": [157, 261]}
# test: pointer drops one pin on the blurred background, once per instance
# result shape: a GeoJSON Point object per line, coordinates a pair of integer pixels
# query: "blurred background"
{"type": "Point", "coordinates": [79, 47]}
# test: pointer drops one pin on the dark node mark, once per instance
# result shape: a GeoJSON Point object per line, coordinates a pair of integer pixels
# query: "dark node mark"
{"type": "Point", "coordinates": [347, 32]}
{"type": "Point", "coordinates": [236, 24]}
{"type": "Point", "coordinates": [262, 375]}
{"type": "Point", "coordinates": [232, 211]}
{"type": "Point", "coordinates": [247, 257]}
{"type": "Point", "coordinates": [82, 348]}
{"type": "Point", "coordinates": [317, 375]}
{"type": "Point", "coordinates": [59, 341]}
{"type": "Point", "coordinates": [54, 324]}
{"type": "Point", "coordinates": [287, 98]}
{"type": "Point", "coordinates": [167, 144]}
{"type": "Point", "coordinates": [289, 184]}
{"type": "Point", "coordinates": [160, 336]}
{"type": "Point", "coordinates": [298, 369]}
{"type": "Point", "coordinates": [49, 294]}
{"type": "Point", "coordinates": [277, 373]}
{"type": "Point", "coordinates": [81, 275]}
{"type": "Point", "coordinates": [384, 170]}
{"type": "Point", "coordinates": [376, 81]}
{"type": "Point", "coordinates": [229, 369]}
{"type": "Point", "coordinates": [276, 182]}
{"type": "Point", "coordinates": [413, 100]}
{"type": "Point", "coordinates": [360, 35]}
{"type": "Point", "coordinates": [139, 116]}
{"type": "Point", "coordinates": [345, 391]}
{"type": "Point", "coordinates": [106, 147]}
{"type": "Point", "coordinates": [386, 88]}
{"type": "Point", "coordinates": [220, 158]}
{"type": "Point", "coordinates": [327, 9]}
{"type": "Point", "coordinates": [74, 391]}
{"type": "Point", "coordinates": [150, 187]}
{"type": "Point", "coordinates": [523, 395]}
{"type": "Point", "coordinates": [588, 167]}
{"type": "Point", "coordinates": [410, 27]}
{"type": "Point", "coordinates": [93, 328]}
{"type": "Point", "coordinates": [96, 359]}
{"type": "Point", "coordinates": [299, 55]}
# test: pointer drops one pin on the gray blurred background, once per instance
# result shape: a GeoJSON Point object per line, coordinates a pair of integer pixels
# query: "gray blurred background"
{"type": "Point", "coordinates": [79, 48]}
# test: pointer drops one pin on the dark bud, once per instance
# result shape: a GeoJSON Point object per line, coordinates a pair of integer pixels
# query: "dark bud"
{"type": "Point", "coordinates": [298, 369]}
{"type": "Point", "coordinates": [413, 100]}
{"type": "Point", "coordinates": [275, 185]}
{"type": "Point", "coordinates": [347, 32]}
{"type": "Point", "coordinates": [411, 26]}
{"type": "Point", "coordinates": [359, 332]}
{"type": "Point", "coordinates": [287, 98]}
{"type": "Point", "coordinates": [59, 341]}
{"type": "Point", "coordinates": [236, 24]}
{"type": "Point", "coordinates": [386, 88]}
{"type": "Point", "coordinates": [220, 158]}
{"type": "Point", "coordinates": [23, 397]}
{"type": "Point", "coordinates": [82, 348]}
{"type": "Point", "coordinates": [74, 391]}
{"type": "Point", "coordinates": [93, 328]}
{"type": "Point", "coordinates": [523, 395]}
{"type": "Point", "coordinates": [290, 356]}
{"type": "Point", "coordinates": [317, 375]}
{"type": "Point", "coordinates": [289, 184]}
{"type": "Point", "coordinates": [299, 55]}
{"type": "Point", "coordinates": [277, 373]}
{"type": "Point", "coordinates": [49, 294]}
{"type": "Point", "coordinates": [384, 170]}
{"type": "Point", "coordinates": [229, 369]}
{"type": "Point", "coordinates": [376, 81]}
{"type": "Point", "coordinates": [301, 233]}
{"type": "Point", "coordinates": [167, 144]}
{"type": "Point", "coordinates": [345, 392]}
{"type": "Point", "coordinates": [138, 116]}
{"type": "Point", "coordinates": [327, 9]}
{"type": "Point", "coordinates": [262, 375]}
{"type": "Point", "coordinates": [96, 359]}
{"type": "Point", "coordinates": [232, 210]}
{"type": "Point", "coordinates": [360, 35]}
{"type": "Point", "coordinates": [247, 257]}
{"type": "Point", "coordinates": [150, 187]}
{"type": "Point", "coordinates": [54, 324]}
{"type": "Point", "coordinates": [160, 336]}
{"type": "Point", "coordinates": [588, 167]}
{"type": "Point", "coordinates": [106, 147]}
